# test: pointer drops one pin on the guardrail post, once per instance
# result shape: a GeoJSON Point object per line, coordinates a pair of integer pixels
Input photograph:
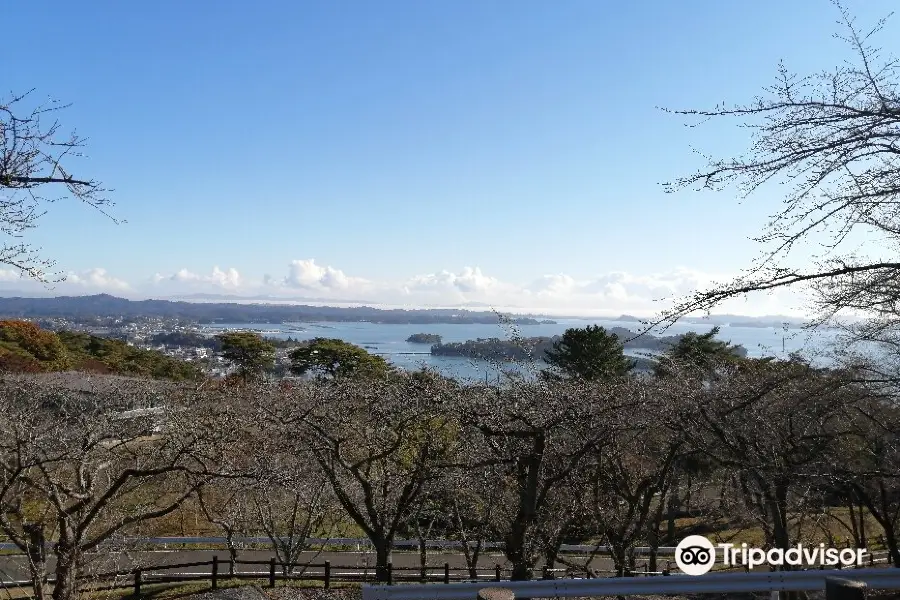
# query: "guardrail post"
{"type": "Point", "coordinates": [272, 572]}
{"type": "Point", "coordinates": [215, 572]}
{"type": "Point", "coordinates": [446, 572]}
{"type": "Point", "coordinates": [327, 574]}
{"type": "Point", "coordinates": [497, 572]}
{"type": "Point", "coordinates": [493, 593]}
{"type": "Point", "coordinates": [137, 582]}
{"type": "Point", "coordinates": [837, 588]}
{"type": "Point", "coordinates": [390, 573]}
{"type": "Point", "coordinates": [545, 572]}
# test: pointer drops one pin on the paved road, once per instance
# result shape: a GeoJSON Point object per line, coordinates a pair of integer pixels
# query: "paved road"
{"type": "Point", "coordinates": [14, 568]}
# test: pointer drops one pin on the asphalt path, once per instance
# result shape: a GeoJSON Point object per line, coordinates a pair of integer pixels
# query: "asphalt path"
{"type": "Point", "coordinates": [356, 564]}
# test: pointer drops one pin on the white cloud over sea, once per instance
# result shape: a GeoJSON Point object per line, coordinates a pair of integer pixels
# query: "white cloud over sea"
{"type": "Point", "coordinates": [306, 281]}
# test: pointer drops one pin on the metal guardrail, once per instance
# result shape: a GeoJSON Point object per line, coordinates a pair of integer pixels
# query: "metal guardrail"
{"type": "Point", "coordinates": [713, 583]}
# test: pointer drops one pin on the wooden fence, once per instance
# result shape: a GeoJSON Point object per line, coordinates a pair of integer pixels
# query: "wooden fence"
{"type": "Point", "coordinates": [325, 572]}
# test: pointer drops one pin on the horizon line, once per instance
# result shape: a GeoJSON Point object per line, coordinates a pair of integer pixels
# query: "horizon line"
{"type": "Point", "coordinates": [350, 304]}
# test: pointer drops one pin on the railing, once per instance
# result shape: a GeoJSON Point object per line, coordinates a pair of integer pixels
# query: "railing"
{"type": "Point", "coordinates": [216, 570]}
{"type": "Point", "coordinates": [711, 583]}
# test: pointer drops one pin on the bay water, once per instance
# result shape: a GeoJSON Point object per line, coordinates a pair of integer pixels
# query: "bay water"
{"type": "Point", "coordinates": [389, 340]}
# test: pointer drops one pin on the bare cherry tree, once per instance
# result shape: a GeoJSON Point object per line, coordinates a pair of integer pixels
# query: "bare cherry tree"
{"type": "Point", "coordinates": [77, 468]}
{"type": "Point", "coordinates": [379, 444]}
{"type": "Point", "coordinates": [291, 511]}
{"type": "Point", "coordinates": [224, 504]}
{"type": "Point", "coordinates": [533, 437]}
{"type": "Point", "coordinates": [866, 466]}
{"type": "Point", "coordinates": [773, 425]}
{"type": "Point", "coordinates": [35, 157]}
{"type": "Point", "coordinates": [471, 498]}
{"type": "Point", "coordinates": [629, 481]}
{"type": "Point", "coordinates": [830, 139]}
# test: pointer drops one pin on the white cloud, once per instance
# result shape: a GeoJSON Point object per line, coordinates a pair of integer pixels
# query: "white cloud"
{"type": "Point", "coordinates": [96, 279]}
{"type": "Point", "coordinates": [559, 293]}
{"type": "Point", "coordinates": [230, 278]}
{"type": "Point", "coordinates": [468, 281]}
{"type": "Point", "coordinates": [10, 275]}
{"type": "Point", "coordinates": [619, 286]}
{"type": "Point", "coordinates": [307, 275]}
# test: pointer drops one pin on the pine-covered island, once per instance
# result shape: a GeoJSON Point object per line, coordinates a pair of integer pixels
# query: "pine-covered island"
{"type": "Point", "coordinates": [424, 338]}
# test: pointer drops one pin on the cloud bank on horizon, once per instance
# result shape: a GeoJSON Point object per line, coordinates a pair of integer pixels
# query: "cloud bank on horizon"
{"type": "Point", "coordinates": [608, 294]}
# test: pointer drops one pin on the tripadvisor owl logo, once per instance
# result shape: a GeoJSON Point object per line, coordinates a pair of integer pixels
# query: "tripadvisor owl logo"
{"type": "Point", "coordinates": [695, 555]}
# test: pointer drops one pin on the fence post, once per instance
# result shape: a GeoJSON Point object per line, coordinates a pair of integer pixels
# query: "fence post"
{"type": "Point", "coordinates": [837, 588]}
{"type": "Point", "coordinates": [215, 572]}
{"type": "Point", "coordinates": [499, 576]}
{"type": "Point", "coordinates": [446, 572]}
{"type": "Point", "coordinates": [137, 582]}
{"type": "Point", "coordinates": [390, 573]}
{"type": "Point", "coordinates": [327, 574]}
{"type": "Point", "coordinates": [545, 572]}
{"type": "Point", "coordinates": [272, 572]}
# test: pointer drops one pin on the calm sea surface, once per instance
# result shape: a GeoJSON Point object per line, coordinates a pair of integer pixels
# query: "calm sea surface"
{"type": "Point", "coordinates": [390, 340]}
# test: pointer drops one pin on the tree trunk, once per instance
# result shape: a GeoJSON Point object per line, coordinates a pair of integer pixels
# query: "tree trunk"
{"type": "Point", "coordinates": [687, 494]}
{"type": "Point", "coordinates": [65, 587]}
{"type": "Point", "coordinates": [423, 560]}
{"type": "Point", "coordinates": [863, 538]}
{"type": "Point", "coordinates": [890, 540]}
{"type": "Point", "coordinates": [473, 561]}
{"type": "Point", "coordinates": [37, 558]}
{"type": "Point", "coordinates": [672, 507]}
{"type": "Point", "coordinates": [550, 558]}
{"type": "Point", "coordinates": [382, 558]}
{"type": "Point", "coordinates": [514, 549]}
{"type": "Point", "coordinates": [653, 536]}
{"type": "Point", "coordinates": [232, 553]}
{"type": "Point", "coordinates": [620, 559]}
{"type": "Point", "coordinates": [779, 515]}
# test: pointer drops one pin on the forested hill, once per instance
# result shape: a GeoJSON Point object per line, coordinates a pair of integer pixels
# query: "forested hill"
{"type": "Point", "coordinates": [25, 347]}
{"type": "Point", "coordinates": [104, 305]}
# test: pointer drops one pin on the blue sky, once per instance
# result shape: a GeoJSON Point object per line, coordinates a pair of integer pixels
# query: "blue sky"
{"type": "Point", "coordinates": [407, 151]}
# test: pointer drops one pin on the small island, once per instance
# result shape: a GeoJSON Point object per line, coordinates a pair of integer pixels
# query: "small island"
{"type": "Point", "coordinates": [548, 322]}
{"type": "Point", "coordinates": [525, 348]}
{"type": "Point", "coordinates": [424, 338]}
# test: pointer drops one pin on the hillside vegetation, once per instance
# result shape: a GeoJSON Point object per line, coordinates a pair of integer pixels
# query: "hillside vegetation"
{"type": "Point", "coordinates": [25, 347]}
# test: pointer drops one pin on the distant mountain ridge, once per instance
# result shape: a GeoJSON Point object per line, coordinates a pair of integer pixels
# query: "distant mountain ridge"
{"type": "Point", "coordinates": [765, 321]}
{"type": "Point", "coordinates": [106, 305]}
{"type": "Point", "coordinates": [269, 309]}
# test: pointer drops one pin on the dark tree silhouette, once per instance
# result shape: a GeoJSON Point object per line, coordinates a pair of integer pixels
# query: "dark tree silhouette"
{"type": "Point", "coordinates": [588, 353]}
